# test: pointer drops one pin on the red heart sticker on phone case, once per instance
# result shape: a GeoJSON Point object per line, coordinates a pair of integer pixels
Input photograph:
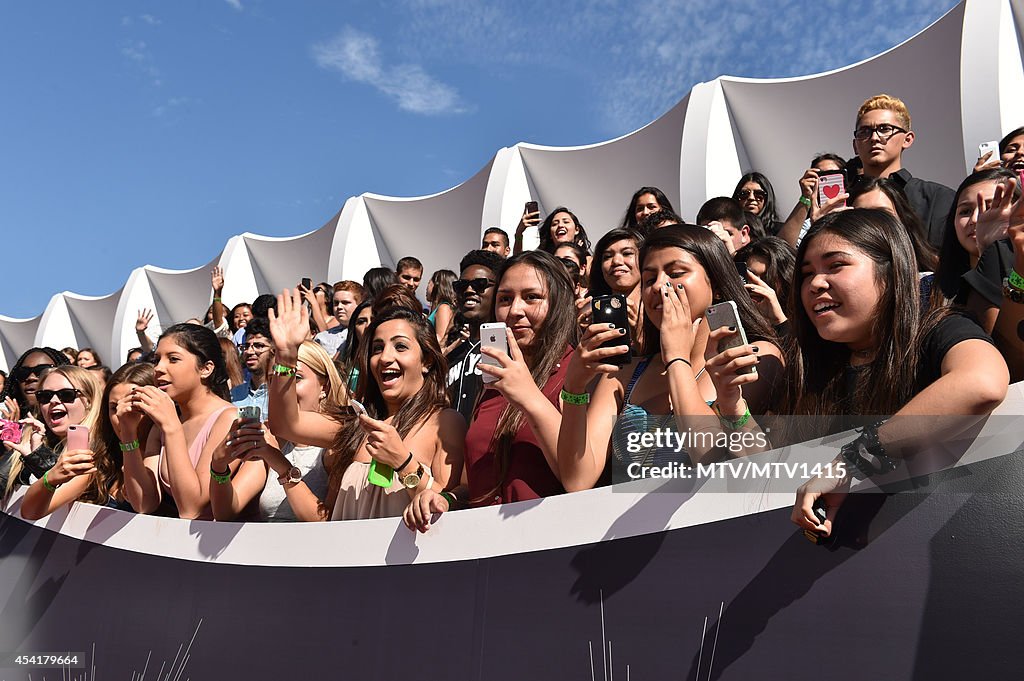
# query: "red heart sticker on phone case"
{"type": "Point", "coordinates": [831, 191]}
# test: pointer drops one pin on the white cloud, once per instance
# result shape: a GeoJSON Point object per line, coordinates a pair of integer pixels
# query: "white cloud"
{"type": "Point", "coordinates": [170, 104]}
{"type": "Point", "coordinates": [150, 19]}
{"type": "Point", "coordinates": [138, 53]}
{"type": "Point", "coordinates": [356, 55]}
{"type": "Point", "coordinates": [236, 4]}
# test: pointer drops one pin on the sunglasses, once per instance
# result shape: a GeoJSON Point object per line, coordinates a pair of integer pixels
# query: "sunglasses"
{"type": "Point", "coordinates": [24, 372]}
{"type": "Point", "coordinates": [753, 193]}
{"type": "Point", "coordinates": [65, 395]}
{"type": "Point", "coordinates": [479, 285]}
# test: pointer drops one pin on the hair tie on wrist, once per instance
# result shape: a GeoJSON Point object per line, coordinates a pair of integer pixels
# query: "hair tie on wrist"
{"type": "Point", "coordinates": [677, 359]}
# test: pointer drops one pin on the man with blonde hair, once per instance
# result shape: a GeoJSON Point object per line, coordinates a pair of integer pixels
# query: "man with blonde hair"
{"type": "Point", "coordinates": [883, 132]}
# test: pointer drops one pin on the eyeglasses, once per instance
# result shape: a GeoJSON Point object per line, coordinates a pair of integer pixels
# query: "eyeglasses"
{"type": "Point", "coordinates": [24, 372]}
{"type": "Point", "coordinates": [479, 285]}
{"type": "Point", "coordinates": [885, 132]}
{"type": "Point", "coordinates": [571, 264]}
{"type": "Point", "coordinates": [65, 395]}
{"type": "Point", "coordinates": [258, 348]}
{"type": "Point", "coordinates": [758, 194]}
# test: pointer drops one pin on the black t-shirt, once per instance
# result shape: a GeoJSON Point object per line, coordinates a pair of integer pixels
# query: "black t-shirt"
{"type": "Point", "coordinates": [930, 200]}
{"type": "Point", "coordinates": [951, 330]}
{"type": "Point", "coordinates": [464, 379]}
{"type": "Point", "coordinates": [987, 276]}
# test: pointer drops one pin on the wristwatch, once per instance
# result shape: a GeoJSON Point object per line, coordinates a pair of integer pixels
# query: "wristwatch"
{"type": "Point", "coordinates": [412, 480]}
{"type": "Point", "coordinates": [292, 477]}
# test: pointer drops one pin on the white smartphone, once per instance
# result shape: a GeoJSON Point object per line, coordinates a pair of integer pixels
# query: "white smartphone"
{"type": "Point", "coordinates": [493, 335]}
{"type": "Point", "coordinates": [357, 406]}
{"type": "Point", "coordinates": [726, 314]}
{"type": "Point", "coordinates": [830, 186]}
{"type": "Point", "coordinates": [986, 147]}
{"type": "Point", "coordinates": [78, 437]}
{"type": "Point", "coordinates": [251, 413]}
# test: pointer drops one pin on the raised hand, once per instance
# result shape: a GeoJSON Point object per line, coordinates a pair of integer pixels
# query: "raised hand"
{"type": "Point", "coordinates": [514, 380]}
{"type": "Point", "coordinates": [217, 279]}
{"type": "Point", "coordinates": [145, 317]}
{"type": "Point", "coordinates": [994, 219]}
{"type": "Point", "coordinates": [70, 464]}
{"type": "Point", "coordinates": [590, 359]}
{"type": "Point", "coordinates": [155, 404]}
{"type": "Point", "coordinates": [765, 298]}
{"type": "Point", "coordinates": [383, 442]}
{"type": "Point", "coordinates": [529, 219]}
{"type": "Point", "coordinates": [29, 444]}
{"type": "Point", "coordinates": [678, 329]}
{"type": "Point", "coordinates": [724, 369]}
{"type": "Point", "coordinates": [289, 325]}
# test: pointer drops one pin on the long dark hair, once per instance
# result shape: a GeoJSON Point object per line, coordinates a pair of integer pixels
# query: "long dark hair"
{"type": "Point", "coordinates": [780, 265]}
{"type": "Point", "coordinates": [888, 383]}
{"type": "Point", "coordinates": [629, 221]}
{"type": "Point", "coordinates": [927, 257]}
{"type": "Point", "coordinates": [202, 342]}
{"type": "Point", "coordinates": [598, 285]}
{"type": "Point", "coordinates": [108, 476]}
{"type": "Point", "coordinates": [547, 244]}
{"type": "Point", "coordinates": [430, 399]}
{"type": "Point", "coordinates": [726, 284]}
{"type": "Point", "coordinates": [559, 331]}
{"type": "Point", "coordinates": [769, 216]}
{"type": "Point", "coordinates": [954, 260]}
{"type": "Point", "coordinates": [12, 386]}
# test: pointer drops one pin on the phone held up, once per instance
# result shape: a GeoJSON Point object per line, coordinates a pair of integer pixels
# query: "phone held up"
{"type": "Point", "coordinates": [726, 314]}
{"type": "Point", "coordinates": [78, 437]}
{"type": "Point", "coordinates": [250, 413]}
{"type": "Point", "coordinates": [10, 431]}
{"type": "Point", "coordinates": [493, 335]}
{"type": "Point", "coordinates": [830, 185]}
{"type": "Point", "coordinates": [611, 309]}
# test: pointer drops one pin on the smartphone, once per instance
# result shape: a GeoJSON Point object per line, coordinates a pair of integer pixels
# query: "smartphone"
{"type": "Point", "coordinates": [830, 185]}
{"type": "Point", "coordinates": [78, 437]}
{"type": "Point", "coordinates": [307, 283]}
{"type": "Point", "coordinates": [821, 515]}
{"type": "Point", "coordinates": [493, 335]}
{"type": "Point", "coordinates": [532, 207]}
{"type": "Point", "coordinates": [357, 406]}
{"type": "Point", "coordinates": [250, 413]}
{"type": "Point", "coordinates": [741, 269]}
{"type": "Point", "coordinates": [726, 314]}
{"type": "Point", "coordinates": [611, 309]}
{"type": "Point", "coordinates": [986, 147]}
{"type": "Point", "coordinates": [10, 431]}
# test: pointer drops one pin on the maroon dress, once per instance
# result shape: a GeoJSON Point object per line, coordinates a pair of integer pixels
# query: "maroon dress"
{"type": "Point", "coordinates": [528, 476]}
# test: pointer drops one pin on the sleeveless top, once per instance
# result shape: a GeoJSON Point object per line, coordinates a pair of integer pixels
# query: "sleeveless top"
{"type": "Point", "coordinates": [636, 419]}
{"type": "Point", "coordinates": [359, 500]}
{"type": "Point", "coordinates": [273, 501]}
{"type": "Point", "coordinates": [195, 450]}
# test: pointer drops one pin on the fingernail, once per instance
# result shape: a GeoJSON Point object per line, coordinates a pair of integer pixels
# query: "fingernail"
{"type": "Point", "coordinates": [679, 286]}
{"type": "Point", "coordinates": [611, 326]}
{"type": "Point", "coordinates": [753, 348]}
{"type": "Point", "coordinates": [622, 332]}
{"type": "Point", "coordinates": [732, 328]}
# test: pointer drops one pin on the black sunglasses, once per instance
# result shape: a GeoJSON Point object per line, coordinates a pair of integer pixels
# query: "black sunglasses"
{"type": "Point", "coordinates": [479, 285]}
{"type": "Point", "coordinates": [65, 395]}
{"type": "Point", "coordinates": [758, 194]}
{"type": "Point", "coordinates": [24, 372]}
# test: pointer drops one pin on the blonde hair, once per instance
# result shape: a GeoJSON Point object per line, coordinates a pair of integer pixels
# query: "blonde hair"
{"type": "Point", "coordinates": [888, 103]}
{"type": "Point", "coordinates": [316, 358]}
{"type": "Point", "coordinates": [88, 385]}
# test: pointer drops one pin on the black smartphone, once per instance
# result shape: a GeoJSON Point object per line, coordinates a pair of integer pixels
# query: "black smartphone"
{"type": "Point", "coordinates": [307, 283]}
{"type": "Point", "coordinates": [741, 269]}
{"type": "Point", "coordinates": [532, 207]}
{"type": "Point", "coordinates": [612, 310]}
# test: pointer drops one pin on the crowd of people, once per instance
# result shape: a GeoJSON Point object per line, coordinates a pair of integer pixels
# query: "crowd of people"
{"type": "Point", "coordinates": [879, 297]}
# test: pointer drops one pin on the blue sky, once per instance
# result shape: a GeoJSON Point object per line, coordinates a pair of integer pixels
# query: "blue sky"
{"type": "Point", "coordinates": [151, 132]}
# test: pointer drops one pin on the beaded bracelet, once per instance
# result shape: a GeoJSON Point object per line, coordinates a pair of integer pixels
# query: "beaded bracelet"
{"type": "Point", "coordinates": [574, 398]}
{"type": "Point", "coordinates": [129, 446]}
{"type": "Point", "coordinates": [1013, 293]}
{"type": "Point", "coordinates": [1015, 280]}
{"type": "Point", "coordinates": [220, 478]}
{"type": "Point", "coordinates": [282, 370]}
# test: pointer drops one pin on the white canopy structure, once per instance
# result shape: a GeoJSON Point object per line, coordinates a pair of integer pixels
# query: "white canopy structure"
{"type": "Point", "coordinates": [962, 79]}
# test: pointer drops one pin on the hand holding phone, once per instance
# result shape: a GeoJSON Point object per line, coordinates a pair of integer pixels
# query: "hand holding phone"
{"type": "Point", "coordinates": [78, 437]}
{"type": "Point", "coordinates": [250, 413]}
{"type": "Point", "coordinates": [495, 336]}
{"type": "Point", "coordinates": [611, 310]}
{"type": "Point", "coordinates": [726, 314]}
{"type": "Point", "coordinates": [830, 185]}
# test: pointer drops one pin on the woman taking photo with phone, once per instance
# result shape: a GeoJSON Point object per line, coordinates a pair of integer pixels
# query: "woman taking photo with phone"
{"type": "Point", "coordinates": [289, 479]}
{"type": "Point", "coordinates": [618, 272]}
{"type": "Point", "coordinates": [684, 270]}
{"type": "Point", "coordinates": [511, 446]}
{"type": "Point", "coordinates": [69, 399]}
{"type": "Point", "coordinates": [866, 349]}
{"type": "Point", "coordinates": [173, 466]}
{"type": "Point", "coordinates": [406, 435]}
{"type": "Point", "coordinates": [94, 476]}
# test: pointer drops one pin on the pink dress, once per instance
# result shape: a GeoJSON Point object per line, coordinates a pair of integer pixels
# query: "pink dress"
{"type": "Point", "coordinates": [195, 450]}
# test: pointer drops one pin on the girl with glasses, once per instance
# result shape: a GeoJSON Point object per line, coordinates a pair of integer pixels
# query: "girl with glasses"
{"type": "Point", "coordinates": [756, 195]}
{"type": "Point", "coordinates": [67, 396]}
{"type": "Point", "coordinates": [95, 476]}
{"type": "Point", "coordinates": [19, 393]}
